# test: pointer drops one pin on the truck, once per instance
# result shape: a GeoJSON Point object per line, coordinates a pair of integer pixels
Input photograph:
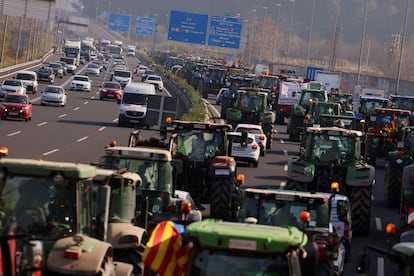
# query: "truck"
{"type": "Point", "coordinates": [72, 48]}
{"type": "Point", "coordinates": [331, 80]}
{"type": "Point", "coordinates": [288, 96]}
{"type": "Point", "coordinates": [131, 50]}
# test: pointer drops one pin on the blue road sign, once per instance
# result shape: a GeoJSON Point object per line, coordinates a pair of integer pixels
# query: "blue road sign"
{"type": "Point", "coordinates": [144, 26]}
{"type": "Point", "coordinates": [310, 72]}
{"type": "Point", "coordinates": [119, 22]}
{"type": "Point", "coordinates": [225, 32]}
{"type": "Point", "coordinates": [188, 27]}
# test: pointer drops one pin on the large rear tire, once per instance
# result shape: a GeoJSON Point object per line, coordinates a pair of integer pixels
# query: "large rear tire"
{"type": "Point", "coordinates": [361, 209]}
{"type": "Point", "coordinates": [220, 200]}
{"type": "Point", "coordinates": [392, 191]}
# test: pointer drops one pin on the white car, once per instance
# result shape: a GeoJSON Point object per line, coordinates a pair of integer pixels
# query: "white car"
{"type": "Point", "coordinates": [156, 81]}
{"type": "Point", "coordinates": [29, 79]}
{"type": "Point", "coordinates": [82, 83]}
{"type": "Point", "coordinates": [54, 95]}
{"type": "Point", "coordinates": [258, 133]}
{"type": "Point", "coordinates": [141, 69]}
{"type": "Point", "coordinates": [93, 69]}
{"type": "Point", "coordinates": [243, 147]}
{"type": "Point", "coordinates": [12, 86]}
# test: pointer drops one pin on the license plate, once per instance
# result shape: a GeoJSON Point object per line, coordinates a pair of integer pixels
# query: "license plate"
{"type": "Point", "coordinates": [13, 113]}
{"type": "Point", "coordinates": [239, 148]}
{"type": "Point", "coordinates": [110, 95]}
{"type": "Point", "coordinates": [134, 121]}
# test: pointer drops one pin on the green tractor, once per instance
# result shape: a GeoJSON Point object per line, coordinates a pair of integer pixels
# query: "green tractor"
{"type": "Point", "coordinates": [401, 253]}
{"type": "Point", "coordinates": [253, 106]}
{"type": "Point", "coordinates": [314, 92]}
{"type": "Point", "coordinates": [332, 154]}
{"type": "Point", "coordinates": [53, 202]}
{"type": "Point", "coordinates": [224, 248]}
{"type": "Point", "coordinates": [407, 199]}
{"type": "Point", "coordinates": [401, 157]}
{"type": "Point", "coordinates": [204, 168]}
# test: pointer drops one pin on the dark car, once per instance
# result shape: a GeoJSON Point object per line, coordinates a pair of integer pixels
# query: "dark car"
{"type": "Point", "coordinates": [57, 69]}
{"type": "Point", "coordinates": [111, 90]}
{"type": "Point", "coordinates": [45, 74]}
{"type": "Point", "coordinates": [64, 67]}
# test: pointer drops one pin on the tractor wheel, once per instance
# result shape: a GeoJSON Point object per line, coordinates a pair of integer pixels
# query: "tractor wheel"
{"type": "Point", "coordinates": [220, 200]}
{"type": "Point", "coordinates": [392, 191]}
{"type": "Point", "coordinates": [295, 185]}
{"type": "Point", "coordinates": [371, 151]}
{"type": "Point", "coordinates": [361, 209]}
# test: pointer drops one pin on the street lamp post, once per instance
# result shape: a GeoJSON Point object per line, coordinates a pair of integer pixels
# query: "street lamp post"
{"type": "Point", "coordinates": [362, 43]}
{"type": "Point", "coordinates": [167, 29]}
{"type": "Point", "coordinates": [277, 32]}
{"type": "Point", "coordinates": [252, 36]}
{"type": "Point", "coordinates": [290, 30]}
{"type": "Point", "coordinates": [263, 35]}
{"type": "Point", "coordinates": [397, 87]}
{"type": "Point", "coordinates": [310, 33]}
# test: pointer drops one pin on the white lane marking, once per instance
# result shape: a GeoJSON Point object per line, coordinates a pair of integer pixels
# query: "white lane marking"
{"type": "Point", "coordinates": [116, 120]}
{"type": "Point", "coordinates": [281, 141]}
{"type": "Point", "coordinates": [93, 97]}
{"type": "Point", "coordinates": [82, 139]}
{"type": "Point", "coordinates": [14, 133]}
{"type": "Point", "coordinates": [275, 131]}
{"type": "Point", "coordinates": [86, 102]}
{"type": "Point", "coordinates": [102, 128]}
{"type": "Point", "coordinates": [380, 267]}
{"type": "Point", "coordinates": [63, 115]}
{"type": "Point", "coordinates": [282, 185]}
{"type": "Point", "coordinates": [378, 224]}
{"type": "Point", "coordinates": [285, 168]}
{"type": "Point", "coordinates": [285, 152]}
{"type": "Point", "coordinates": [42, 124]}
{"type": "Point", "coordinates": [76, 108]}
{"type": "Point", "coordinates": [50, 152]}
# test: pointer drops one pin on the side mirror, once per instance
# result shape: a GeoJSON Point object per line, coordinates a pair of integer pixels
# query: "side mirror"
{"type": "Point", "coordinates": [363, 263]}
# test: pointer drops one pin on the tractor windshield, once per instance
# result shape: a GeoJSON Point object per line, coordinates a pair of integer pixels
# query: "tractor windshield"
{"type": "Point", "coordinates": [281, 213]}
{"type": "Point", "coordinates": [198, 145]}
{"type": "Point", "coordinates": [251, 102]}
{"type": "Point", "coordinates": [367, 106]}
{"type": "Point", "coordinates": [151, 172]}
{"type": "Point", "coordinates": [46, 207]}
{"type": "Point", "coordinates": [326, 148]}
{"type": "Point", "coordinates": [391, 121]}
{"type": "Point", "coordinates": [310, 96]}
{"type": "Point", "coordinates": [214, 262]}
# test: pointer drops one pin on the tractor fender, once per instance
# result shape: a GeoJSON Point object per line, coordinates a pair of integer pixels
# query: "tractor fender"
{"type": "Point", "coordinates": [120, 235]}
{"type": "Point", "coordinates": [397, 160]}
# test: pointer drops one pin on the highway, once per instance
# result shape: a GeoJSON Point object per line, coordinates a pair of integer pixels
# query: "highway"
{"type": "Point", "coordinates": [79, 132]}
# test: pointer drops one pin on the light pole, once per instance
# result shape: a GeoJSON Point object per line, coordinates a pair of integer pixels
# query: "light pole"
{"type": "Point", "coordinates": [277, 32]}
{"type": "Point", "coordinates": [362, 43]}
{"type": "Point", "coordinates": [167, 24]}
{"type": "Point", "coordinates": [397, 87]}
{"type": "Point", "coordinates": [263, 35]}
{"type": "Point", "coordinates": [290, 30]}
{"type": "Point", "coordinates": [251, 37]}
{"type": "Point", "coordinates": [310, 33]}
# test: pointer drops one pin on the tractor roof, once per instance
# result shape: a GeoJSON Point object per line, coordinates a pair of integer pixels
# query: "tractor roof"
{"type": "Point", "coordinates": [392, 111]}
{"type": "Point", "coordinates": [334, 131]}
{"type": "Point", "coordinates": [145, 153]}
{"type": "Point", "coordinates": [247, 237]}
{"type": "Point", "coordinates": [178, 126]}
{"type": "Point", "coordinates": [31, 167]}
{"type": "Point", "coordinates": [287, 195]}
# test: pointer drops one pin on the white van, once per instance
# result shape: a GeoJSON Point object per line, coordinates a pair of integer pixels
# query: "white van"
{"type": "Point", "coordinates": [133, 108]}
{"type": "Point", "coordinates": [29, 79]}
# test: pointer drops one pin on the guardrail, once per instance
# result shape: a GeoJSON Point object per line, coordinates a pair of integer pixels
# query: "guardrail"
{"type": "Point", "coordinates": [19, 66]}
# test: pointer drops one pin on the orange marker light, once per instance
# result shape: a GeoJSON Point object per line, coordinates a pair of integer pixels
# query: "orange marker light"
{"type": "Point", "coordinates": [390, 229]}
{"type": "Point", "coordinates": [304, 216]}
{"type": "Point", "coordinates": [186, 207]}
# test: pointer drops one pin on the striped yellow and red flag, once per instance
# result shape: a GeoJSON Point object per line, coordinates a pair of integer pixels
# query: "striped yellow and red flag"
{"type": "Point", "coordinates": [164, 253]}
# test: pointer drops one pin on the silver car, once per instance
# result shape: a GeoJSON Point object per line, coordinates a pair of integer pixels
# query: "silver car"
{"type": "Point", "coordinates": [12, 86]}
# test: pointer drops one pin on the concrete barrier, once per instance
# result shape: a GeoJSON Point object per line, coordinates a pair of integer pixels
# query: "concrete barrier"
{"type": "Point", "coordinates": [26, 64]}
